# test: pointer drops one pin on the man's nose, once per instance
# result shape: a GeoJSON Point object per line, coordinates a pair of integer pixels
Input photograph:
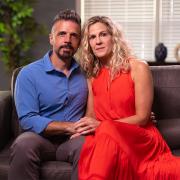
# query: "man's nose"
{"type": "Point", "coordinates": [67, 38]}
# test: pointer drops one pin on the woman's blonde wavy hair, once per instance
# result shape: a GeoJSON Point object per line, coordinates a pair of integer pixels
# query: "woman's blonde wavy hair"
{"type": "Point", "coordinates": [121, 52]}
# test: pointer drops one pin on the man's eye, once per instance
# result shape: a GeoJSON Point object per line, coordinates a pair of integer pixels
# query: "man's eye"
{"type": "Point", "coordinates": [75, 36]}
{"type": "Point", "coordinates": [62, 34]}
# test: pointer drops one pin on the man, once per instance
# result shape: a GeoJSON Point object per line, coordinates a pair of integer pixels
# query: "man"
{"type": "Point", "coordinates": [50, 96]}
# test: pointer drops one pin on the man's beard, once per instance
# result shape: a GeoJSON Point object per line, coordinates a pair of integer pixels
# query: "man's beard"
{"type": "Point", "coordinates": [65, 54]}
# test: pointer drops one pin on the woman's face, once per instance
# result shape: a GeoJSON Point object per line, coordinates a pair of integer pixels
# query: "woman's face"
{"type": "Point", "coordinates": [100, 41]}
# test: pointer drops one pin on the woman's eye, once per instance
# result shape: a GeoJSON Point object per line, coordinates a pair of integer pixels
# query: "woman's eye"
{"type": "Point", "coordinates": [92, 37]}
{"type": "Point", "coordinates": [103, 34]}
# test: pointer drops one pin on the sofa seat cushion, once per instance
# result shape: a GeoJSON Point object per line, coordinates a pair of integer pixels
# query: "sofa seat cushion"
{"type": "Point", "coordinates": [4, 162]}
{"type": "Point", "coordinates": [50, 170]}
{"type": "Point", "coordinates": [176, 152]}
{"type": "Point", "coordinates": [55, 170]}
{"type": "Point", "coordinates": [170, 130]}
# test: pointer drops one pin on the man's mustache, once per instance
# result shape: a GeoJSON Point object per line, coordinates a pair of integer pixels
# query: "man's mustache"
{"type": "Point", "coordinates": [67, 46]}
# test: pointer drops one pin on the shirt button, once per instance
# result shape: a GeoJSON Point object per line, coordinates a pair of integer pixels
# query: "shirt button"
{"type": "Point", "coordinates": [66, 102]}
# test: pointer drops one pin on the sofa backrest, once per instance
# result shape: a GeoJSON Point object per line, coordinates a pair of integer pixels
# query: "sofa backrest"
{"type": "Point", "coordinates": [167, 102]}
{"type": "Point", "coordinates": [16, 129]}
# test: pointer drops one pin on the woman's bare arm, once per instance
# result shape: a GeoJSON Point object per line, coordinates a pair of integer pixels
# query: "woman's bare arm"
{"type": "Point", "coordinates": [143, 84]}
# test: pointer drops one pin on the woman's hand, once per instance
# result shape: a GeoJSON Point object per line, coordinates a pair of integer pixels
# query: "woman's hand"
{"type": "Point", "coordinates": [86, 125]}
{"type": "Point", "coordinates": [75, 135]}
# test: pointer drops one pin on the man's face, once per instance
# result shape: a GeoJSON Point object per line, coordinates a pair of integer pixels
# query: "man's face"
{"type": "Point", "coordinates": [65, 38]}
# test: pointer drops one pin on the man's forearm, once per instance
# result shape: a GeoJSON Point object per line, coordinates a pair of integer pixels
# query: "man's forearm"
{"type": "Point", "coordinates": [59, 128]}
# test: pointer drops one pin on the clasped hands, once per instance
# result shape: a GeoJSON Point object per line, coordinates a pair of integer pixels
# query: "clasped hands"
{"type": "Point", "coordinates": [88, 125]}
{"type": "Point", "coordinates": [85, 126]}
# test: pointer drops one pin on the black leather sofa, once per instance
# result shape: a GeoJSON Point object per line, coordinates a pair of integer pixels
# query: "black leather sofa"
{"type": "Point", "coordinates": [166, 107]}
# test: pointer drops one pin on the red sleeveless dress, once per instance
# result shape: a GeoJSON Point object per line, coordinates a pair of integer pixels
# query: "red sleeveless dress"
{"type": "Point", "coordinates": [122, 151]}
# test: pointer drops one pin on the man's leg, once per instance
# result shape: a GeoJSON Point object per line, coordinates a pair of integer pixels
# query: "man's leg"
{"type": "Point", "coordinates": [27, 152]}
{"type": "Point", "coordinates": [69, 151]}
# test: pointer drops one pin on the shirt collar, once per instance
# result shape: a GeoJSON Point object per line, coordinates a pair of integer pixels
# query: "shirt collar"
{"type": "Point", "coordinates": [49, 66]}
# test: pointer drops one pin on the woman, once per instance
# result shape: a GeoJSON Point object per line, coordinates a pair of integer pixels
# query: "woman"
{"type": "Point", "coordinates": [125, 145]}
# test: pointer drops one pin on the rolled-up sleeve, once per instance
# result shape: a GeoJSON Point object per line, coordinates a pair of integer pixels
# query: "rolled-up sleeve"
{"type": "Point", "coordinates": [27, 103]}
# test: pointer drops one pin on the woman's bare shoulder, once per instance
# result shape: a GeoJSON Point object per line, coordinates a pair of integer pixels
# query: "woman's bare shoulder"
{"type": "Point", "coordinates": [138, 67]}
{"type": "Point", "coordinates": [138, 63]}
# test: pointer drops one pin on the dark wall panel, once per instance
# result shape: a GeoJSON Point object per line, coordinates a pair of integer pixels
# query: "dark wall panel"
{"type": "Point", "coordinates": [44, 11]}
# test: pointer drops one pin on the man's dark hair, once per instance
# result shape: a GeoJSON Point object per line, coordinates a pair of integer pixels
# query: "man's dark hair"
{"type": "Point", "coordinates": [67, 15]}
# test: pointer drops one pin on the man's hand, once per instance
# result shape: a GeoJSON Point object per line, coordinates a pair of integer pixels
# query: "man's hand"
{"type": "Point", "coordinates": [58, 128]}
{"type": "Point", "coordinates": [86, 125]}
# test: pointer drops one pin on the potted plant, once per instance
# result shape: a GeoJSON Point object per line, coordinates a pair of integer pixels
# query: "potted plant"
{"type": "Point", "coordinates": [18, 31]}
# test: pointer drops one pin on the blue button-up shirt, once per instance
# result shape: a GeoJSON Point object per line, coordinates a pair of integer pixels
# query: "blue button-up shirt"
{"type": "Point", "coordinates": [43, 95]}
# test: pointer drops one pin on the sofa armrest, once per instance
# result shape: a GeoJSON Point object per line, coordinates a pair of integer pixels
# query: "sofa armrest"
{"type": "Point", "coordinates": [5, 117]}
